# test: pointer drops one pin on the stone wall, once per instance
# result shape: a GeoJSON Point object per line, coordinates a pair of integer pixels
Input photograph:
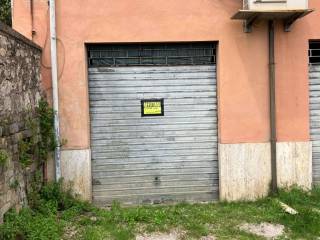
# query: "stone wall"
{"type": "Point", "coordinates": [19, 96]}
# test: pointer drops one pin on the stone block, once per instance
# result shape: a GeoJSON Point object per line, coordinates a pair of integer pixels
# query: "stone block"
{"type": "Point", "coordinates": [2, 52]}
{"type": "Point", "coordinates": [3, 143]}
{"type": "Point", "coordinates": [19, 71]}
{"type": "Point", "coordinates": [245, 171]}
{"type": "Point", "coordinates": [15, 148]}
{"type": "Point", "coordinates": [294, 164]}
{"type": "Point", "coordinates": [5, 130]}
{"type": "Point", "coordinates": [4, 209]}
{"type": "Point", "coordinates": [14, 128]}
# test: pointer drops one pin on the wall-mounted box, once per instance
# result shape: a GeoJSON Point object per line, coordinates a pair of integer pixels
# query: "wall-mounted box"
{"type": "Point", "coordinates": [287, 11]}
{"type": "Point", "coordinates": [275, 5]}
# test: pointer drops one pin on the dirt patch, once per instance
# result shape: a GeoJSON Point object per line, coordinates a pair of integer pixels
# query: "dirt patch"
{"type": "Point", "coordinates": [173, 235]}
{"type": "Point", "coordinates": [70, 232]}
{"type": "Point", "coordinates": [267, 230]}
{"type": "Point", "coordinates": [208, 238]}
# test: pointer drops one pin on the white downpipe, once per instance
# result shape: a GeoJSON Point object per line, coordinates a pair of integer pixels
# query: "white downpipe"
{"type": "Point", "coordinates": [55, 90]}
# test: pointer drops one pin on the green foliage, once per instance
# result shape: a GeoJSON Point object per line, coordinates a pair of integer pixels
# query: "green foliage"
{"type": "Point", "coordinates": [42, 220]}
{"type": "Point", "coordinates": [56, 211]}
{"type": "Point", "coordinates": [5, 12]}
{"type": "Point", "coordinates": [30, 225]}
{"type": "Point", "coordinates": [3, 157]}
{"type": "Point", "coordinates": [14, 184]}
{"type": "Point", "coordinates": [219, 219]}
{"type": "Point", "coordinates": [25, 152]}
{"type": "Point", "coordinates": [35, 187]}
{"type": "Point", "coordinates": [47, 141]}
{"type": "Point", "coordinates": [42, 140]}
{"type": "Point", "coordinates": [60, 197]}
{"type": "Point", "coordinates": [307, 222]}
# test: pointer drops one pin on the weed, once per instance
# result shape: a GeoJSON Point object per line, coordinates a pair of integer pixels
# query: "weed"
{"type": "Point", "coordinates": [42, 220]}
{"type": "Point", "coordinates": [42, 139]}
{"type": "Point", "coordinates": [14, 185]}
{"type": "Point", "coordinates": [30, 225]}
{"type": "Point", "coordinates": [3, 158]}
{"type": "Point", "coordinates": [46, 124]}
{"type": "Point", "coordinates": [25, 152]}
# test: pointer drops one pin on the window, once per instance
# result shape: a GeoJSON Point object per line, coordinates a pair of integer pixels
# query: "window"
{"type": "Point", "coordinates": [314, 52]}
{"type": "Point", "coordinates": [201, 53]}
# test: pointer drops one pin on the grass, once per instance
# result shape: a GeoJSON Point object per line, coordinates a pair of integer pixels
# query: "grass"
{"type": "Point", "coordinates": [56, 215]}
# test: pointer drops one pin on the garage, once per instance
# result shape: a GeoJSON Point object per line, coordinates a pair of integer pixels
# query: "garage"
{"type": "Point", "coordinates": [153, 110]}
{"type": "Point", "coordinates": [314, 75]}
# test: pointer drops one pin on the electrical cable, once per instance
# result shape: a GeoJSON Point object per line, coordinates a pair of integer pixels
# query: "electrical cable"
{"type": "Point", "coordinates": [64, 58]}
{"type": "Point", "coordinates": [46, 40]}
{"type": "Point", "coordinates": [45, 45]}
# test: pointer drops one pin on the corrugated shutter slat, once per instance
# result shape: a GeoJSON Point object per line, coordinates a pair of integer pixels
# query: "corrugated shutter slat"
{"type": "Point", "coordinates": [164, 158]}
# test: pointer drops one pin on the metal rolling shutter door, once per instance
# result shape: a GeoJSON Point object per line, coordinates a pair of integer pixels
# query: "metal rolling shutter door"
{"type": "Point", "coordinates": [314, 72]}
{"type": "Point", "coordinates": [154, 159]}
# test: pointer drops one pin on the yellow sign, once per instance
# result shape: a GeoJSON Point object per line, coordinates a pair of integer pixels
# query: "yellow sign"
{"type": "Point", "coordinates": [152, 107]}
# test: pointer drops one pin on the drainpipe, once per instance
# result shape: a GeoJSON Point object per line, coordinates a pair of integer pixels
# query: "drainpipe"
{"type": "Point", "coordinates": [11, 5]}
{"type": "Point", "coordinates": [272, 93]}
{"type": "Point", "coordinates": [55, 94]}
{"type": "Point", "coordinates": [33, 32]}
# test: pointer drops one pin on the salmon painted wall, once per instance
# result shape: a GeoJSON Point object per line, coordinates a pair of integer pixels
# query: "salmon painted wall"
{"type": "Point", "coordinates": [242, 59]}
{"type": "Point", "coordinates": [292, 78]}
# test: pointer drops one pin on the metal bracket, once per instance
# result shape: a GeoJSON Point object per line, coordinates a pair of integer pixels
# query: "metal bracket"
{"type": "Point", "coordinates": [288, 22]}
{"type": "Point", "coordinates": [247, 24]}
